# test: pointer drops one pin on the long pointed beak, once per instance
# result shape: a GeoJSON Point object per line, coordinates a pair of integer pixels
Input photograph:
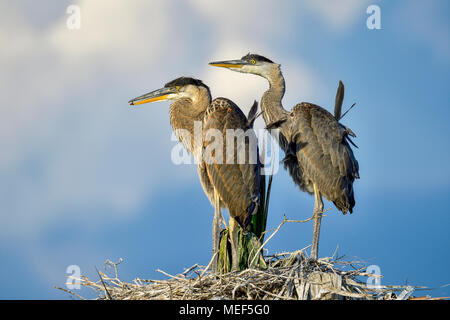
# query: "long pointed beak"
{"type": "Point", "coordinates": [160, 94]}
{"type": "Point", "coordinates": [229, 63]}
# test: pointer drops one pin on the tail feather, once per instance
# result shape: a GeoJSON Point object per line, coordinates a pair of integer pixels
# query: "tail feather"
{"type": "Point", "coordinates": [346, 201]}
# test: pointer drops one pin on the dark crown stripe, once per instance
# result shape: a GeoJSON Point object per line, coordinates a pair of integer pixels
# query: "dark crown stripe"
{"type": "Point", "coordinates": [256, 57]}
{"type": "Point", "coordinates": [184, 81]}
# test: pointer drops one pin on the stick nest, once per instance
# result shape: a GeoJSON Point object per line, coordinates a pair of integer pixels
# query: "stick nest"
{"type": "Point", "coordinates": [288, 276]}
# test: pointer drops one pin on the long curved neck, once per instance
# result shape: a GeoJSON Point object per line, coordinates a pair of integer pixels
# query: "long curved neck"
{"type": "Point", "coordinates": [184, 113]}
{"type": "Point", "coordinates": [271, 105]}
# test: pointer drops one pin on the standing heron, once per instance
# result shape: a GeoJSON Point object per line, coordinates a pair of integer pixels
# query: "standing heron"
{"type": "Point", "coordinates": [232, 183]}
{"type": "Point", "coordinates": [318, 155]}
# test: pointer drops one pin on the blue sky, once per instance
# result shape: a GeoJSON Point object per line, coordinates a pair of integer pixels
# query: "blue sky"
{"type": "Point", "coordinates": [85, 178]}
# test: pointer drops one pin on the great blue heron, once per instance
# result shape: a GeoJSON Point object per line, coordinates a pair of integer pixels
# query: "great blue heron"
{"type": "Point", "coordinates": [227, 180]}
{"type": "Point", "coordinates": [318, 155]}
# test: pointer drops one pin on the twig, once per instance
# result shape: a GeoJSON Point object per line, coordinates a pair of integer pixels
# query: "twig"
{"type": "Point", "coordinates": [169, 275]}
{"type": "Point", "coordinates": [275, 232]}
{"type": "Point", "coordinates": [70, 292]}
{"type": "Point", "coordinates": [113, 265]}
{"type": "Point", "coordinates": [209, 265]}
{"type": "Point", "coordinates": [104, 285]}
{"type": "Point", "coordinates": [189, 270]}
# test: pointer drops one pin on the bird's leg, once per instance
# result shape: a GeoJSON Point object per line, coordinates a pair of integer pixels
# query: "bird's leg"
{"type": "Point", "coordinates": [318, 210]}
{"type": "Point", "coordinates": [233, 232]}
{"type": "Point", "coordinates": [216, 231]}
{"type": "Point", "coordinates": [222, 220]}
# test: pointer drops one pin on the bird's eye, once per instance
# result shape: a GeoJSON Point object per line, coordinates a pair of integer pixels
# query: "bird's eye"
{"type": "Point", "coordinates": [253, 61]}
{"type": "Point", "coordinates": [177, 87]}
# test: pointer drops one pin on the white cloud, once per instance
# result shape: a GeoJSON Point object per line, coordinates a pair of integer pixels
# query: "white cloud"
{"type": "Point", "coordinates": [63, 130]}
{"type": "Point", "coordinates": [248, 19]}
{"type": "Point", "coordinates": [339, 15]}
{"type": "Point", "coordinates": [73, 154]}
{"type": "Point", "coordinates": [109, 33]}
{"type": "Point", "coordinates": [69, 142]}
{"type": "Point", "coordinates": [426, 23]}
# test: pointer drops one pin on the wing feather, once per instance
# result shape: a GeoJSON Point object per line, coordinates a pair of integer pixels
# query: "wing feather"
{"type": "Point", "coordinates": [236, 183]}
{"type": "Point", "coordinates": [325, 158]}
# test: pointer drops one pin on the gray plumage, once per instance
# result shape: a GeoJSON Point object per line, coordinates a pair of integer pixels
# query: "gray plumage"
{"type": "Point", "coordinates": [230, 184]}
{"type": "Point", "coordinates": [315, 143]}
{"type": "Point", "coordinates": [318, 156]}
{"type": "Point", "coordinates": [323, 155]}
{"type": "Point", "coordinates": [237, 183]}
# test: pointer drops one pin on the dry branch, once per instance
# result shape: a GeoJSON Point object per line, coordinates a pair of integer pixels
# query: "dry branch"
{"type": "Point", "coordinates": [289, 276]}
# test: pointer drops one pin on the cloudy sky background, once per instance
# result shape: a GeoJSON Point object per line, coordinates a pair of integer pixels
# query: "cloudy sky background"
{"type": "Point", "coordinates": [85, 178]}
